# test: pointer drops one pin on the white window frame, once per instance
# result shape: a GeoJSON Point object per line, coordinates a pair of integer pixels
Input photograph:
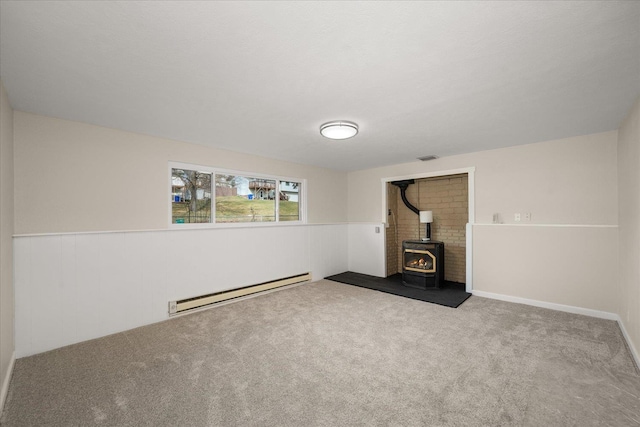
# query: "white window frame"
{"type": "Point", "coordinates": [302, 198]}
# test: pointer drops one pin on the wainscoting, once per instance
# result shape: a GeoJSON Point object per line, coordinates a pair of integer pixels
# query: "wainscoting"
{"type": "Point", "coordinates": [75, 287]}
{"type": "Point", "coordinates": [367, 248]}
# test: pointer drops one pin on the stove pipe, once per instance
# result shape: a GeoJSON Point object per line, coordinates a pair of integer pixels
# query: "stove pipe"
{"type": "Point", "coordinates": [402, 185]}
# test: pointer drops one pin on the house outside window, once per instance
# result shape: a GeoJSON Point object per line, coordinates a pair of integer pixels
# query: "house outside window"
{"type": "Point", "coordinates": [239, 197]}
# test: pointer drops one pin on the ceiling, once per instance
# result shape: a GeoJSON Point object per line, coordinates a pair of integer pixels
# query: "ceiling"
{"type": "Point", "coordinates": [419, 78]}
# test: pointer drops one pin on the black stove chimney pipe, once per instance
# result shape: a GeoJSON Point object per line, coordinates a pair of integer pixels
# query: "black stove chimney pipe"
{"type": "Point", "coordinates": [402, 185]}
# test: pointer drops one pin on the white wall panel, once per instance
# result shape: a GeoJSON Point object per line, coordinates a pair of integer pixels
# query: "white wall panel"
{"type": "Point", "coordinates": [187, 264]}
{"type": "Point", "coordinates": [88, 286]}
{"type": "Point", "coordinates": [134, 307]}
{"type": "Point", "coordinates": [156, 264]}
{"type": "Point", "coordinates": [46, 323]}
{"type": "Point", "coordinates": [68, 290]}
{"type": "Point", "coordinates": [22, 292]}
{"type": "Point", "coordinates": [328, 250]}
{"type": "Point", "coordinates": [75, 287]}
{"type": "Point", "coordinates": [336, 253]}
{"type": "Point", "coordinates": [111, 280]}
{"type": "Point", "coordinates": [366, 249]}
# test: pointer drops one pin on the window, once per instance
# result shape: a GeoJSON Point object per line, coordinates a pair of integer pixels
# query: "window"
{"type": "Point", "coordinates": [191, 196]}
{"type": "Point", "coordinates": [289, 200]}
{"type": "Point", "coordinates": [245, 199]}
{"type": "Point", "coordinates": [239, 197]}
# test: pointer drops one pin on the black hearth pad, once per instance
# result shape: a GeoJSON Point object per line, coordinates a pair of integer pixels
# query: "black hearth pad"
{"type": "Point", "coordinates": [450, 295]}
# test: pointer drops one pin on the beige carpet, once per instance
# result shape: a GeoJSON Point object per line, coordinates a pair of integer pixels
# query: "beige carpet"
{"type": "Point", "coordinates": [328, 354]}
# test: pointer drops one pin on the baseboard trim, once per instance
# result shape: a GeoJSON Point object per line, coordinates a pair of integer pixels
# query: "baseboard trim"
{"type": "Point", "coordinates": [550, 305]}
{"type": "Point", "coordinates": [569, 309]}
{"type": "Point", "coordinates": [6, 381]}
{"type": "Point", "coordinates": [627, 338]}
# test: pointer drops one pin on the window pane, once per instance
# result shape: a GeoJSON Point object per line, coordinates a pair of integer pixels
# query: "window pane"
{"type": "Point", "coordinates": [245, 199]}
{"type": "Point", "coordinates": [190, 196]}
{"type": "Point", "coordinates": [289, 201]}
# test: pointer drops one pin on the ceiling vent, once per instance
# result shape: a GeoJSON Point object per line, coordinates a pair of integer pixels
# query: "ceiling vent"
{"type": "Point", "coordinates": [427, 158]}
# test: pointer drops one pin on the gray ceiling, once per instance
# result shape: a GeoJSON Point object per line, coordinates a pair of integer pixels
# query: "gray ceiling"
{"type": "Point", "coordinates": [418, 77]}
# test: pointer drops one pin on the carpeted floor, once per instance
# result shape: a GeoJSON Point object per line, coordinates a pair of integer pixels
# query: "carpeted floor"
{"type": "Point", "coordinates": [329, 354]}
{"type": "Point", "coordinates": [450, 295]}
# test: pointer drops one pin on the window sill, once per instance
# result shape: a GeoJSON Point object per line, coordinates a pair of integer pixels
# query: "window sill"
{"type": "Point", "coordinates": [209, 226]}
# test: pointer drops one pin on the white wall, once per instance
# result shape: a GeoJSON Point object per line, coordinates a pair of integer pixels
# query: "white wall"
{"type": "Point", "coordinates": [574, 266]}
{"type": "Point", "coordinates": [629, 218]}
{"type": "Point", "coordinates": [72, 177]}
{"type": "Point", "coordinates": [6, 250]}
{"type": "Point", "coordinates": [570, 188]}
{"type": "Point", "coordinates": [367, 249]}
{"type": "Point", "coordinates": [568, 181]}
{"type": "Point", "coordinates": [75, 287]}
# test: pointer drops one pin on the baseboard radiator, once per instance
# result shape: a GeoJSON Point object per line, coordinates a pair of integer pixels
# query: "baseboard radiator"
{"type": "Point", "coordinates": [181, 306]}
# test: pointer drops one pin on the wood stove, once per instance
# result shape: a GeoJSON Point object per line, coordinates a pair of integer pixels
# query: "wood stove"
{"type": "Point", "coordinates": [423, 264]}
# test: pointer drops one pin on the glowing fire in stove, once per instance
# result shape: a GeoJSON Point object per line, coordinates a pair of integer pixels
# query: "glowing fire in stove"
{"type": "Point", "coordinates": [420, 263]}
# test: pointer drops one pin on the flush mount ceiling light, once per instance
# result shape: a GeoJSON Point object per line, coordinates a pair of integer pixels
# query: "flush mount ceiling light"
{"type": "Point", "coordinates": [339, 129]}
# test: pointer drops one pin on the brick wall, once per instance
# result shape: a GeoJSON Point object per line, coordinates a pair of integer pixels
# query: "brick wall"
{"type": "Point", "coordinates": [447, 197]}
{"type": "Point", "coordinates": [393, 240]}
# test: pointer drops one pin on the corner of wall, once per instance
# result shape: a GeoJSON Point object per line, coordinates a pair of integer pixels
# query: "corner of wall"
{"type": "Point", "coordinates": [628, 165]}
{"type": "Point", "coordinates": [4, 389]}
{"type": "Point", "coordinates": [7, 342]}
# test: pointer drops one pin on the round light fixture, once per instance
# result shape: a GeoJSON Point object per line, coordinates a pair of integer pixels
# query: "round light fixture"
{"type": "Point", "coordinates": [339, 130]}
